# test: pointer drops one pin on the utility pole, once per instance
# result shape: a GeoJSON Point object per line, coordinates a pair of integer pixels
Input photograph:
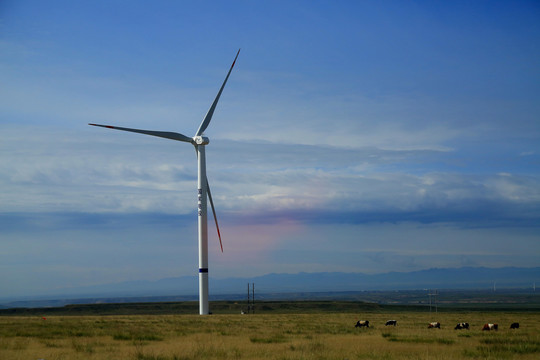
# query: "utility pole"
{"type": "Point", "coordinates": [436, 303]}
{"type": "Point", "coordinates": [430, 294]}
{"type": "Point", "coordinates": [248, 301]}
{"type": "Point", "coordinates": [251, 299]}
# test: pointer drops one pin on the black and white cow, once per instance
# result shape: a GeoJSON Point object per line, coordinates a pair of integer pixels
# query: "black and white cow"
{"type": "Point", "coordinates": [391, 322]}
{"type": "Point", "coordinates": [490, 327]}
{"type": "Point", "coordinates": [461, 326]}
{"type": "Point", "coordinates": [514, 326]}
{"type": "Point", "coordinates": [434, 325]}
{"type": "Point", "coordinates": [362, 323]}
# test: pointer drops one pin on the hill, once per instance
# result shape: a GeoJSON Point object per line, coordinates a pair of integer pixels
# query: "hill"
{"type": "Point", "coordinates": [186, 288]}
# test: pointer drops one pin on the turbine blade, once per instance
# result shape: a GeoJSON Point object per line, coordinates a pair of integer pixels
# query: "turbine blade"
{"type": "Point", "coordinates": [208, 117]}
{"type": "Point", "coordinates": [163, 134]}
{"type": "Point", "coordinates": [214, 211]}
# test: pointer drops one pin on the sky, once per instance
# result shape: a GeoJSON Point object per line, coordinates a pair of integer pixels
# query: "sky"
{"type": "Point", "coordinates": [352, 136]}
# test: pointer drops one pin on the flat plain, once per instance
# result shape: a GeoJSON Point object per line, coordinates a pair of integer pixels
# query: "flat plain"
{"type": "Point", "coordinates": [283, 336]}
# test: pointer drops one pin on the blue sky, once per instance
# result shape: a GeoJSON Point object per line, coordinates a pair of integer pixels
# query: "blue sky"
{"type": "Point", "coordinates": [357, 136]}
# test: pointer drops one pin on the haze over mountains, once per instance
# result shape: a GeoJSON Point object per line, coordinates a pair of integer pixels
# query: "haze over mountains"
{"type": "Point", "coordinates": [450, 278]}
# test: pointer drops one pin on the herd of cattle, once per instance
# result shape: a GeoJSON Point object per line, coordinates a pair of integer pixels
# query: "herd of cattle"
{"type": "Point", "coordinates": [432, 325]}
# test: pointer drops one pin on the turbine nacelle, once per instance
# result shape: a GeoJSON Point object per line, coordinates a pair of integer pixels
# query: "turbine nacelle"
{"type": "Point", "coordinates": [201, 140]}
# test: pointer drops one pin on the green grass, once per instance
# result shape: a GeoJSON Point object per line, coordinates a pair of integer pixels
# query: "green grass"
{"type": "Point", "coordinates": [275, 336]}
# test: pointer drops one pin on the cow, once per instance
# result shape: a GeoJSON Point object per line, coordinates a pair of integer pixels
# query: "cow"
{"type": "Point", "coordinates": [434, 325]}
{"type": "Point", "coordinates": [514, 326]}
{"type": "Point", "coordinates": [391, 322]}
{"type": "Point", "coordinates": [362, 323]}
{"type": "Point", "coordinates": [491, 327]}
{"type": "Point", "coordinates": [461, 326]}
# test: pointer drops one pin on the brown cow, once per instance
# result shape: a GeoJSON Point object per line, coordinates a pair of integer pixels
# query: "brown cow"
{"type": "Point", "coordinates": [491, 327]}
{"type": "Point", "coordinates": [434, 325]}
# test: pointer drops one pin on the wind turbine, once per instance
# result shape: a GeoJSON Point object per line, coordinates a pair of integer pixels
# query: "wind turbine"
{"type": "Point", "coordinates": [199, 141]}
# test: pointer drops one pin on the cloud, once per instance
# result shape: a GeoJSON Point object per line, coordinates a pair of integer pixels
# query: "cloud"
{"type": "Point", "coordinates": [107, 171]}
{"type": "Point", "coordinates": [404, 246]}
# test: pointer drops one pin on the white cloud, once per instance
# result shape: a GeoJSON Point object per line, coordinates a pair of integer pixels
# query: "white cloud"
{"type": "Point", "coordinates": [102, 170]}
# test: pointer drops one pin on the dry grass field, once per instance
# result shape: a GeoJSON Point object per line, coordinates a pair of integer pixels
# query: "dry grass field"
{"type": "Point", "coordinates": [269, 336]}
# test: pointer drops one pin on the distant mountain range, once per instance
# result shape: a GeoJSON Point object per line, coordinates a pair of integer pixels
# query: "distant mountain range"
{"type": "Point", "coordinates": [187, 287]}
{"type": "Point", "coordinates": [450, 278]}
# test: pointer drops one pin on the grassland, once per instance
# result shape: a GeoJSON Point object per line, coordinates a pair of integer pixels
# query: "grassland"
{"type": "Point", "coordinates": [277, 335]}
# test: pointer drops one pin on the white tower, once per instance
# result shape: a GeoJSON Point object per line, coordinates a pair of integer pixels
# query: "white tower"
{"type": "Point", "coordinates": [203, 189]}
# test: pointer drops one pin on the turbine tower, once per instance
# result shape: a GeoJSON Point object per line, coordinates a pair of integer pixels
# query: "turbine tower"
{"type": "Point", "coordinates": [199, 141]}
